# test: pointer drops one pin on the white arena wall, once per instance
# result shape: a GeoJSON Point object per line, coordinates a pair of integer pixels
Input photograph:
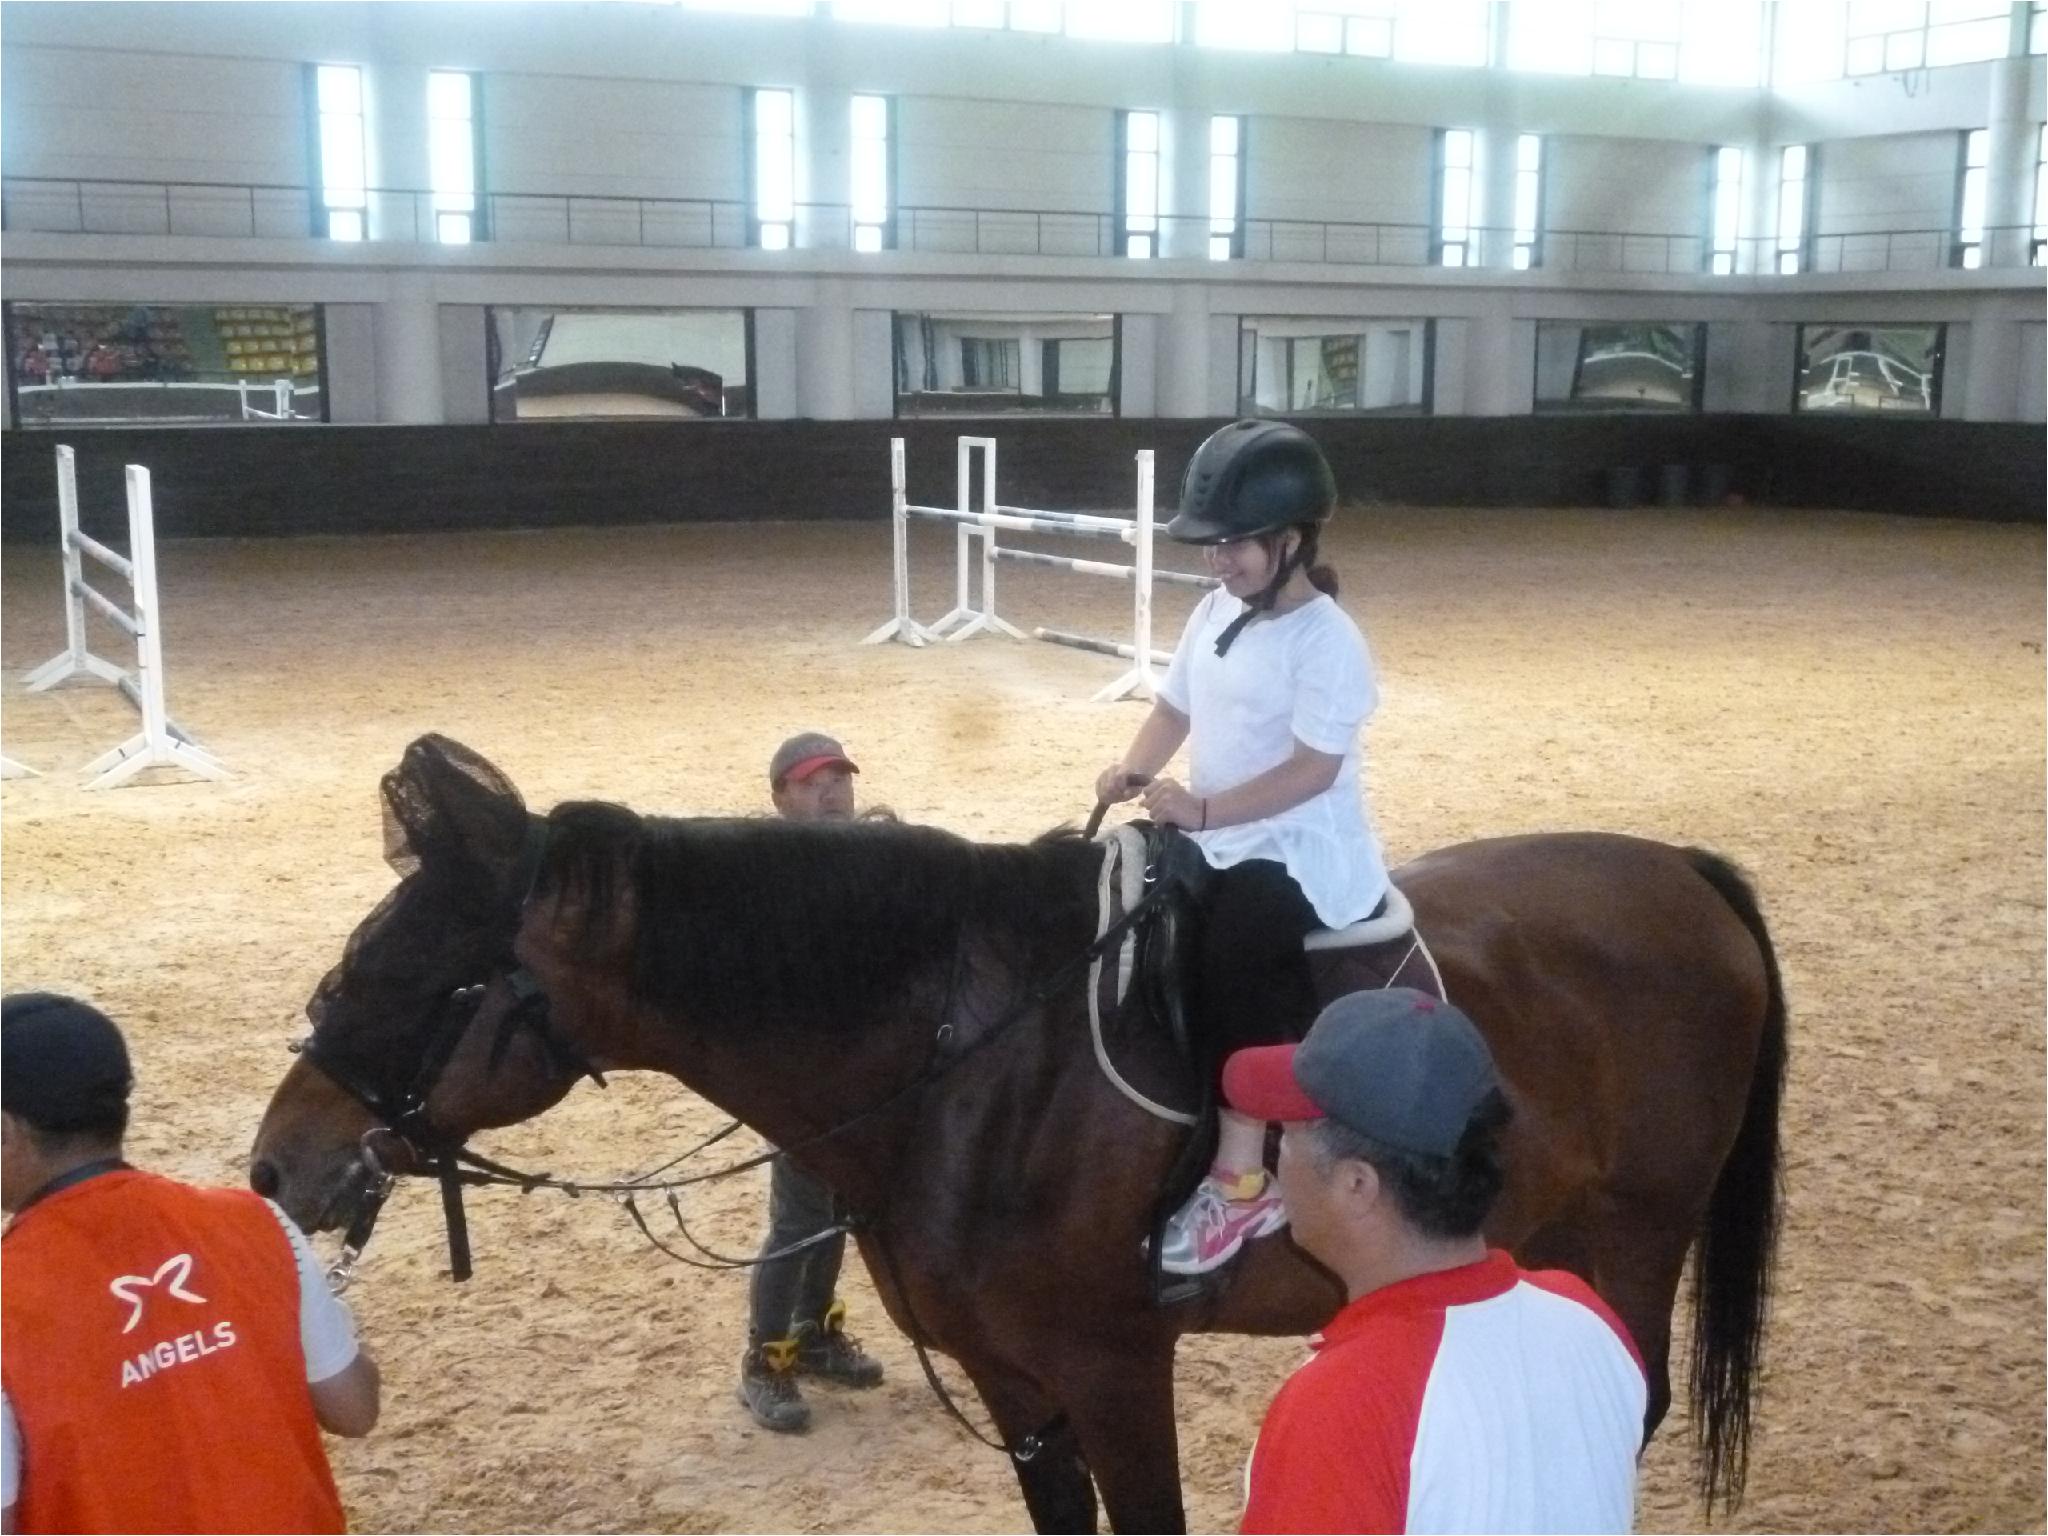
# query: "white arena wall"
{"type": "Point", "coordinates": [645, 101]}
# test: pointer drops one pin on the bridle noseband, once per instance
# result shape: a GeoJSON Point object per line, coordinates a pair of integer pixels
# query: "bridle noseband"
{"type": "Point", "coordinates": [425, 1150]}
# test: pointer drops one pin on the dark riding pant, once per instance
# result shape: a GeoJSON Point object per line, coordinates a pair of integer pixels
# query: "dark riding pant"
{"type": "Point", "coordinates": [1254, 986]}
{"type": "Point", "coordinates": [796, 1289]}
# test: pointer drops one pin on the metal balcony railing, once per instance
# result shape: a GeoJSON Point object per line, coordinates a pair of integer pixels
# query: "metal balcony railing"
{"type": "Point", "coordinates": [239, 210]}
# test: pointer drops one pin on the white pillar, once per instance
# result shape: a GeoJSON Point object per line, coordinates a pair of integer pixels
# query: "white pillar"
{"type": "Point", "coordinates": [824, 166]}
{"type": "Point", "coordinates": [2011, 151]}
{"type": "Point", "coordinates": [1498, 383]}
{"type": "Point", "coordinates": [408, 332]}
{"type": "Point", "coordinates": [1496, 210]}
{"type": "Point", "coordinates": [1184, 183]}
{"type": "Point", "coordinates": [1756, 240]}
{"type": "Point", "coordinates": [1184, 353]}
{"type": "Point", "coordinates": [1991, 380]}
{"type": "Point", "coordinates": [399, 154]}
{"type": "Point", "coordinates": [824, 345]}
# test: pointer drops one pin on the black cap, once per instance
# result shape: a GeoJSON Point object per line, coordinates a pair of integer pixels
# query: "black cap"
{"type": "Point", "coordinates": [1253, 477]}
{"type": "Point", "coordinates": [63, 1064]}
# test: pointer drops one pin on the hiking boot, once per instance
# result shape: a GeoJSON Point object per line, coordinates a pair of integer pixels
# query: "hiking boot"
{"type": "Point", "coordinates": [825, 1349]}
{"type": "Point", "coordinates": [768, 1387]}
{"type": "Point", "coordinates": [1206, 1233]}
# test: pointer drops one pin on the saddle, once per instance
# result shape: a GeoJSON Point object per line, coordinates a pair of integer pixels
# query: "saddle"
{"type": "Point", "coordinates": [1138, 996]}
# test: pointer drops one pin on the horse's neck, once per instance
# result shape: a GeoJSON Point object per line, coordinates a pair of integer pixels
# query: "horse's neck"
{"type": "Point", "coordinates": [832, 1064]}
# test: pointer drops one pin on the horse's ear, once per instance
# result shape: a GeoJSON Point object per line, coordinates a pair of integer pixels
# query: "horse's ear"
{"type": "Point", "coordinates": [447, 809]}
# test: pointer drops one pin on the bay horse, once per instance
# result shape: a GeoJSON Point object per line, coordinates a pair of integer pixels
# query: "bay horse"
{"type": "Point", "coordinates": [872, 996]}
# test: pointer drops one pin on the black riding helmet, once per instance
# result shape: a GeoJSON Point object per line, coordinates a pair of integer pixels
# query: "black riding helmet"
{"type": "Point", "coordinates": [1252, 478]}
{"type": "Point", "coordinates": [1249, 478]}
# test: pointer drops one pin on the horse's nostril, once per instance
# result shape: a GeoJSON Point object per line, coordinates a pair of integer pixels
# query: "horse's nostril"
{"type": "Point", "coordinates": [263, 1178]}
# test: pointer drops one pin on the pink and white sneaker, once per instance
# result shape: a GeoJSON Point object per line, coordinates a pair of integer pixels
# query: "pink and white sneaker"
{"type": "Point", "coordinates": [1207, 1232]}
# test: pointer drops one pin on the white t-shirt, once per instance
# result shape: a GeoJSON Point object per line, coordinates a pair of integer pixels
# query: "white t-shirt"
{"type": "Point", "coordinates": [1304, 676]}
{"type": "Point", "coordinates": [327, 1335]}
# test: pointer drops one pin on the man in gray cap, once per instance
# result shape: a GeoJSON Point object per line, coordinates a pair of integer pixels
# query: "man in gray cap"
{"type": "Point", "coordinates": [1456, 1391]}
{"type": "Point", "coordinates": [796, 1325]}
{"type": "Point", "coordinates": [169, 1355]}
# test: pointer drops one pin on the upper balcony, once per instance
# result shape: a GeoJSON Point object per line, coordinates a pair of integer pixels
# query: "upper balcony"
{"type": "Point", "coordinates": [248, 211]}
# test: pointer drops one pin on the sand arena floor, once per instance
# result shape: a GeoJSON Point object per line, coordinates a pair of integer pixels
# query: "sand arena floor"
{"type": "Point", "coordinates": [1851, 706]}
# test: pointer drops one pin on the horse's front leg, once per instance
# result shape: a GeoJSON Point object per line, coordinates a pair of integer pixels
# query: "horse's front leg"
{"type": "Point", "coordinates": [1120, 1398]}
{"type": "Point", "coordinates": [1045, 1454]}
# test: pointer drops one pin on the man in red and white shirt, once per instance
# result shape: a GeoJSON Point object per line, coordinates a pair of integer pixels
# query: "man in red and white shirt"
{"type": "Point", "coordinates": [1456, 1391]}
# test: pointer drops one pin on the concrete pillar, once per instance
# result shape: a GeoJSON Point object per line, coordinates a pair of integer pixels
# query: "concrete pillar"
{"type": "Point", "coordinates": [2012, 147]}
{"type": "Point", "coordinates": [1184, 353]}
{"type": "Point", "coordinates": [1758, 238]}
{"type": "Point", "coordinates": [824, 166]}
{"type": "Point", "coordinates": [1990, 384]}
{"type": "Point", "coordinates": [1748, 363]}
{"type": "Point", "coordinates": [824, 351]}
{"type": "Point", "coordinates": [409, 352]}
{"type": "Point", "coordinates": [1137, 365]}
{"type": "Point", "coordinates": [1495, 211]}
{"type": "Point", "coordinates": [399, 155]}
{"type": "Point", "coordinates": [775, 364]}
{"type": "Point", "coordinates": [1498, 382]}
{"type": "Point", "coordinates": [1184, 183]}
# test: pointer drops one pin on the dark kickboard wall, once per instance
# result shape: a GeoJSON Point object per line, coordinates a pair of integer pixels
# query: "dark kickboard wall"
{"type": "Point", "coordinates": [281, 481]}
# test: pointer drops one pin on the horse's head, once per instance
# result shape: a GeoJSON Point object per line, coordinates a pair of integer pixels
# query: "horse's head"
{"type": "Point", "coordinates": [428, 1030]}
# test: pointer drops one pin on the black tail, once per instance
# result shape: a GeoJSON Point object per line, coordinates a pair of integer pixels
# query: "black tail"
{"type": "Point", "coordinates": [1731, 1295]}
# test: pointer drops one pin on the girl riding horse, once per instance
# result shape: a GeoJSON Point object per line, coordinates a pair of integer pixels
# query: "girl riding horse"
{"type": "Point", "coordinates": [1269, 686]}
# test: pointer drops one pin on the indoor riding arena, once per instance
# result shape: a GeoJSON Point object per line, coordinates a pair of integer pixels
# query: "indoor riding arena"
{"type": "Point", "coordinates": [530, 376]}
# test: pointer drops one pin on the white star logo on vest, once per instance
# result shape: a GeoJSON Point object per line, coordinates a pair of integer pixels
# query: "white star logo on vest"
{"type": "Point", "coordinates": [129, 1288]}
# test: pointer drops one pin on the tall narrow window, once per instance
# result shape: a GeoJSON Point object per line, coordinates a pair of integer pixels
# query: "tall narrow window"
{"type": "Point", "coordinates": [344, 206]}
{"type": "Point", "coordinates": [1454, 197]}
{"type": "Point", "coordinates": [1137, 187]}
{"type": "Point", "coordinates": [1226, 188]}
{"type": "Point", "coordinates": [451, 154]}
{"type": "Point", "coordinates": [771, 151]}
{"type": "Point", "coordinates": [1528, 201]}
{"type": "Point", "coordinates": [2040, 250]}
{"type": "Point", "coordinates": [874, 203]}
{"type": "Point", "coordinates": [1793, 163]}
{"type": "Point", "coordinates": [1969, 246]}
{"type": "Point", "coordinates": [1724, 210]}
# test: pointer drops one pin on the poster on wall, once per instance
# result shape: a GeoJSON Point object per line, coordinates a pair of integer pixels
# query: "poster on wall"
{"type": "Point", "coordinates": [1893, 369]}
{"type": "Point", "coordinates": [1641, 366]}
{"type": "Point", "coordinates": [558, 364]}
{"type": "Point", "coordinates": [1318, 366]}
{"type": "Point", "coordinates": [1003, 364]}
{"type": "Point", "coordinates": [102, 365]}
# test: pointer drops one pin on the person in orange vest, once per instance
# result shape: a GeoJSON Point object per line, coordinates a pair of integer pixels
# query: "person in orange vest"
{"type": "Point", "coordinates": [168, 1355]}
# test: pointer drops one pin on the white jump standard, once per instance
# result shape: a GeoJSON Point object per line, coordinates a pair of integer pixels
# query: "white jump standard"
{"type": "Point", "coordinates": [161, 743]}
{"type": "Point", "coordinates": [971, 614]}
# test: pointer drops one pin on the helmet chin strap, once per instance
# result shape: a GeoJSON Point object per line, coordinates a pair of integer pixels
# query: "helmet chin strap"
{"type": "Point", "coordinates": [1264, 601]}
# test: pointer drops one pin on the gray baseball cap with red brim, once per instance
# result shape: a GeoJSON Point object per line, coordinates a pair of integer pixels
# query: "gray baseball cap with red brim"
{"type": "Point", "coordinates": [1396, 1065]}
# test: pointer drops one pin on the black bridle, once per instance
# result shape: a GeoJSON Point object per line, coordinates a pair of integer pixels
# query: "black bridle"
{"type": "Point", "coordinates": [428, 1151]}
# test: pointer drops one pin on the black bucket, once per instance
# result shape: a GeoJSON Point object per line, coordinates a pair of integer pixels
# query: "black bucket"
{"type": "Point", "coordinates": [1672, 481]}
{"type": "Point", "coordinates": [1712, 484]}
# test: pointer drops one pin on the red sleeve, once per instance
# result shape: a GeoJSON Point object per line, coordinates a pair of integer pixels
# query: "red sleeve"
{"type": "Point", "coordinates": [1334, 1452]}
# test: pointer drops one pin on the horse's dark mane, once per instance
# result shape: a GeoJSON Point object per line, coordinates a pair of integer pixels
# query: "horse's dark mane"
{"type": "Point", "coordinates": [809, 925]}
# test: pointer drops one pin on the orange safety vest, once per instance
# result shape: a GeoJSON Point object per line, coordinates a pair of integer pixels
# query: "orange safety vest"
{"type": "Point", "coordinates": [149, 1345]}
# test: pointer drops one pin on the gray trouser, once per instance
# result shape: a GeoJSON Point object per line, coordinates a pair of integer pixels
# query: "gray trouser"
{"type": "Point", "coordinates": [797, 1289]}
